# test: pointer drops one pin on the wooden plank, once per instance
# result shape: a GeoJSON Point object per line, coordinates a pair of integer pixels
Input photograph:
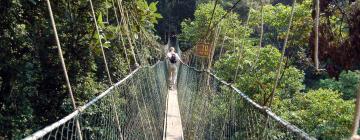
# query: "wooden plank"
{"type": "Point", "coordinates": [203, 49]}
{"type": "Point", "coordinates": [174, 129]}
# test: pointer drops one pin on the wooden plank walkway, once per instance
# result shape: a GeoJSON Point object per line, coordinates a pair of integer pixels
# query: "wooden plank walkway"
{"type": "Point", "coordinates": [174, 129]}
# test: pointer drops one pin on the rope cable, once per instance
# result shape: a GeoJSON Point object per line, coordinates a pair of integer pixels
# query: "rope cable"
{"type": "Point", "coordinates": [355, 126]}
{"type": "Point", "coordinates": [258, 54]}
{"type": "Point", "coordinates": [222, 45]}
{"type": "Point", "coordinates": [145, 36]}
{"type": "Point", "coordinates": [223, 112]}
{"type": "Point", "coordinates": [277, 77]}
{"type": "Point", "coordinates": [135, 46]}
{"type": "Point", "coordinates": [211, 19]}
{"type": "Point", "coordinates": [242, 43]}
{"type": "Point", "coordinates": [63, 66]}
{"type": "Point", "coordinates": [143, 31]}
{"type": "Point", "coordinates": [243, 117]}
{"type": "Point", "coordinates": [316, 45]}
{"type": "Point", "coordinates": [261, 36]}
{"type": "Point", "coordinates": [216, 37]}
{"type": "Point", "coordinates": [224, 16]}
{"type": "Point", "coordinates": [106, 68]}
{"type": "Point", "coordinates": [61, 55]}
{"type": "Point", "coordinates": [100, 41]}
{"type": "Point", "coordinates": [125, 23]}
{"type": "Point", "coordinates": [120, 37]}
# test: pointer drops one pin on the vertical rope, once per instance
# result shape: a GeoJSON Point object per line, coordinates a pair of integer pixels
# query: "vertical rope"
{"type": "Point", "coordinates": [120, 38]}
{"type": "Point", "coordinates": [266, 120]}
{"type": "Point", "coordinates": [124, 20]}
{"type": "Point", "coordinates": [212, 17]}
{"type": "Point", "coordinates": [133, 41]}
{"type": "Point", "coordinates": [106, 67]}
{"type": "Point", "coordinates": [63, 65]}
{"type": "Point", "coordinates": [61, 55]}
{"type": "Point", "coordinates": [222, 46]}
{"type": "Point", "coordinates": [216, 37]}
{"type": "Point", "coordinates": [100, 40]}
{"type": "Point", "coordinates": [261, 35]}
{"type": "Point", "coordinates": [316, 49]}
{"type": "Point", "coordinates": [355, 126]}
{"type": "Point", "coordinates": [135, 48]}
{"type": "Point", "coordinates": [241, 45]}
{"type": "Point", "coordinates": [277, 77]}
{"type": "Point", "coordinates": [225, 15]}
{"type": "Point", "coordinates": [142, 31]}
{"type": "Point", "coordinates": [262, 23]}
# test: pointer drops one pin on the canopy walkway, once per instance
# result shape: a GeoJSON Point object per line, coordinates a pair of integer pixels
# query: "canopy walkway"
{"type": "Point", "coordinates": [135, 108]}
{"type": "Point", "coordinates": [140, 106]}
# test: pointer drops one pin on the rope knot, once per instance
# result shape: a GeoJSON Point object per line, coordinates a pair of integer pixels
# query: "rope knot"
{"type": "Point", "coordinates": [80, 109]}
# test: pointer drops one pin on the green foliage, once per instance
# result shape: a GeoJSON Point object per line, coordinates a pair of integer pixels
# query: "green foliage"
{"type": "Point", "coordinates": [324, 113]}
{"type": "Point", "coordinates": [195, 30]}
{"type": "Point", "coordinates": [347, 84]}
{"type": "Point", "coordinates": [276, 19]}
{"type": "Point", "coordinates": [148, 12]}
{"type": "Point", "coordinates": [321, 113]}
{"type": "Point", "coordinates": [256, 76]}
{"type": "Point", "coordinates": [33, 91]}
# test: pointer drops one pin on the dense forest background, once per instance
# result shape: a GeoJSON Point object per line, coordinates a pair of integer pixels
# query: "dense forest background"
{"type": "Point", "coordinates": [33, 92]}
{"type": "Point", "coordinates": [247, 54]}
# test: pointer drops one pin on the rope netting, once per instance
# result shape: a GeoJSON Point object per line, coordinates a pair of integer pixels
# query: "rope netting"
{"type": "Point", "coordinates": [213, 109]}
{"type": "Point", "coordinates": [139, 99]}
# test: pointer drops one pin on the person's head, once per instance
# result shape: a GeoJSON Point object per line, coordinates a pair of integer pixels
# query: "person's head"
{"type": "Point", "coordinates": [172, 49]}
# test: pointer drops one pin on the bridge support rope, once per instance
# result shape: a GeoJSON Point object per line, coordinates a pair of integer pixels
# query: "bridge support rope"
{"type": "Point", "coordinates": [64, 66]}
{"type": "Point", "coordinates": [114, 108]}
{"type": "Point", "coordinates": [214, 110]}
{"type": "Point", "coordinates": [218, 110]}
{"type": "Point", "coordinates": [140, 100]}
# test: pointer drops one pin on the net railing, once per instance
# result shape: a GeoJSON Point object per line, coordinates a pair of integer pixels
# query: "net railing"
{"type": "Point", "coordinates": [213, 109]}
{"type": "Point", "coordinates": [133, 108]}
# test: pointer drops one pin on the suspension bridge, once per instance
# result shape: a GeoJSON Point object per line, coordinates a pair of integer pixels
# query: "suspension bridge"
{"type": "Point", "coordinates": [140, 106]}
{"type": "Point", "coordinates": [202, 107]}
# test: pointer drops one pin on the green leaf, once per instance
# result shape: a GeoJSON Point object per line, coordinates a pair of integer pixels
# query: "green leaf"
{"type": "Point", "coordinates": [153, 7]}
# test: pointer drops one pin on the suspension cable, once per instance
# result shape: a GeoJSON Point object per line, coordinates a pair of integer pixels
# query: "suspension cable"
{"type": "Point", "coordinates": [120, 37]}
{"type": "Point", "coordinates": [211, 19]}
{"type": "Point", "coordinates": [61, 56]}
{"type": "Point", "coordinates": [125, 22]}
{"type": "Point", "coordinates": [223, 17]}
{"type": "Point", "coordinates": [355, 125]}
{"type": "Point", "coordinates": [262, 23]}
{"type": "Point", "coordinates": [106, 67]}
{"type": "Point", "coordinates": [222, 45]}
{"type": "Point", "coordinates": [129, 19]}
{"type": "Point", "coordinates": [316, 49]}
{"type": "Point", "coordinates": [261, 36]}
{"type": "Point", "coordinates": [135, 46]}
{"type": "Point", "coordinates": [277, 77]}
{"type": "Point", "coordinates": [210, 28]}
{"type": "Point", "coordinates": [100, 40]}
{"type": "Point", "coordinates": [243, 37]}
{"type": "Point", "coordinates": [63, 65]}
{"type": "Point", "coordinates": [142, 30]}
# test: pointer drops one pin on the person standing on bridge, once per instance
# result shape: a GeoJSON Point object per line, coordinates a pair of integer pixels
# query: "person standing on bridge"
{"type": "Point", "coordinates": [173, 62]}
